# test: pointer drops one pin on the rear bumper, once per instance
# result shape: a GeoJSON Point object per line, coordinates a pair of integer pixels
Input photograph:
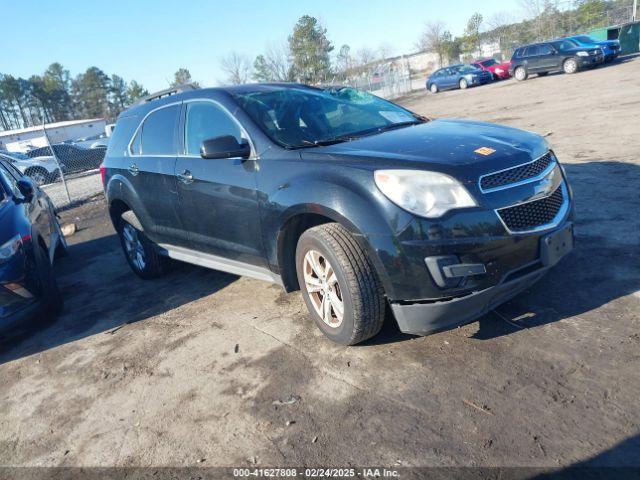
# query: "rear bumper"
{"type": "Point", "coordinates": [427, 318]}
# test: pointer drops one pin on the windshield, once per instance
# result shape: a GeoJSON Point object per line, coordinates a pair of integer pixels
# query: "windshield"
{"type": "Point", "coordinates": [489, 63]}
{"type": "Point", "coordinates": [467, 69]}
{"type": "Point", "coordinates": [302, 117]}
{"type": "Point", "coordinates": [585, 39]}
{"type": "Point", "coordinates": [17, 155]}
{"type": "Point", "coordinates": [564, 45]}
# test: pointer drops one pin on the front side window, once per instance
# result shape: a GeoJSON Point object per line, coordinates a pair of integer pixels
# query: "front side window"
{"type": "Point", "coordinates": [545, 50]}
{"type": "Point", "coordinates": [10, 179]}
{"type": "Point", "coordinates": [206, 120]}
{"type": "Point", "coordinates": [158, 132]}
{"type": "Point", "coordinates": [299, 117]}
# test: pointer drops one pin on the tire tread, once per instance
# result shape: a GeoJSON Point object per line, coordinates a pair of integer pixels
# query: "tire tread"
{"type": "Point", "coordinates": [366, 289]}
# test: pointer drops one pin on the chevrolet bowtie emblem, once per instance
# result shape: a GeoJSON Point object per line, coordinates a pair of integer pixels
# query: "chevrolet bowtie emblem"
{"type": "Point", "coordinates": [484, 150]}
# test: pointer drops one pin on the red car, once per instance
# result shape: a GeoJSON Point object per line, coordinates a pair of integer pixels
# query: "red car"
{"type": "Point", "coordinates": [499, 70]}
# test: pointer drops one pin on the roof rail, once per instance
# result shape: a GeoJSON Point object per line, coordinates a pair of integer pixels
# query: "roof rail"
{"type": "Point", "coordinates": [186, 87]}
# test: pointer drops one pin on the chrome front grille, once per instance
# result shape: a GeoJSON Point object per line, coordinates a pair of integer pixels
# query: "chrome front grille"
{"type": "Point", "coordinates": [519, 173]}
{"type": "Point", "coordinates": [537, 214]}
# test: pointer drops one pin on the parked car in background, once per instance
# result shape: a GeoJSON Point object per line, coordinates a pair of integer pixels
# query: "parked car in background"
{"type": "Point", "coordinates": [30, 239]}
{"type": "Point", "coordinates": [457, 76]}
{"type": "Point", "coordinates": [41, 170]}
{"type": "Point", "coordinates": [553, 56]}
{"type": "Point", "coordinates": [498, 70]}
{"type": "Point", "coordinates": [356, 201]}
{"type": "Point", "coordinates": [94, 141]}
{"type": "Point", "coordinates": [75, 158]}
{"type": "Point", "coordinates": [610, 48]}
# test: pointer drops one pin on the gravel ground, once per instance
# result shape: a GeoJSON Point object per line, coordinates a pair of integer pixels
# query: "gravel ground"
{"type": "Point", "coordinates": [205, 368]}
{"type": "Point", "coordinates": [81, 187]}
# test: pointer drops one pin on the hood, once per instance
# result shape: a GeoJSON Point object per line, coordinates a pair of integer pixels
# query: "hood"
{"type": "Point", "coordinates": [447, 146]}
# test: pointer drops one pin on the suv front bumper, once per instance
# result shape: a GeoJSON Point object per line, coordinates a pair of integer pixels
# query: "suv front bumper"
{"type": "Point", "coordinates": [423, 318]}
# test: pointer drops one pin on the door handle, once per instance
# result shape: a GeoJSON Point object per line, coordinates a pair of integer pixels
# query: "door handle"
{"type": "Point", "coordinates": [133, 169]}
{"type": "Point", "coordinates": [185, 177]}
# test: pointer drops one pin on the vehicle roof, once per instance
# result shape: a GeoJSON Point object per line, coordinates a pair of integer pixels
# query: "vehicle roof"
{"type": "Point", "coordinates": [213, 92]}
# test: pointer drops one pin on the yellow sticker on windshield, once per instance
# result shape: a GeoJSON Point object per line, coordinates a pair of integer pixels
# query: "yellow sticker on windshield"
{"type": "Point", "coordinates": [484, 150]}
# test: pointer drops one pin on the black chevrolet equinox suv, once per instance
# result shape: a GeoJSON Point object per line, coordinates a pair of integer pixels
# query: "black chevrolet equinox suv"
{"type": "Point", "coordinates": [555, 56]}
{"type": "Point", "coordinates": [355, 201]}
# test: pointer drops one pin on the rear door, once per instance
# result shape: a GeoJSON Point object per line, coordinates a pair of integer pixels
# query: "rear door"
{"type": "Point", "coordinates": [152, 157]}
{"type": "Point", "coordinates": [450, 77]}
{"type": "Point", "coordinates": [533, 58]}
{"type": "Point", "coordinates": [219, 204]}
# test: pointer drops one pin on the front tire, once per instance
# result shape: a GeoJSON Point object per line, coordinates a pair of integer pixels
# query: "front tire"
{"type": "Point", "coordinates": [51, 297]}
{"type": "Point", "coordinates": [434, 88]}
{"type": "Point", "coordinates": [463, 84]}
{"type": "Point", "coordinates": [570, 65]}
{"type": "Point", "coordinates": [140, 252]}
{"type": "Point", "coordinates": [520, 74]}
{"type": "Point", "coordinates": [339, 284]}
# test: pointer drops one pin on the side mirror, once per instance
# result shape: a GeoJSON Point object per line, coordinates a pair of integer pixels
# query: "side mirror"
{"type": "Point", "coordinates": [225, 147]}
{"type": "Point", "coordinates": [26, 189]}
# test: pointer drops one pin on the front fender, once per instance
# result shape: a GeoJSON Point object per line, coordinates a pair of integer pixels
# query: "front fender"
{"type": "Point", "coordinates": [354, 202]}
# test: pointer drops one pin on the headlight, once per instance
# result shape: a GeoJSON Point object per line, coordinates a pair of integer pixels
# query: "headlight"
{"type": "Point", "coordinates": [470, 76]}
{"type": "Point", "coordinates": [499, 70]}
{"type": "Point", "coordinates": [582, 54]}
{"type": "Point", "coordinates": [10, 248]}
{"type": "Point", "coordinates": [427, 194]}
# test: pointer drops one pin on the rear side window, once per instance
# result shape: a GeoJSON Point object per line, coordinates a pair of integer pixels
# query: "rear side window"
{"type": "Point", "coordinates": [205, 120]}
{"type": "Point", "coordinates": [159, 132]}
{"type": "Point", "coordinates": [532, 51]}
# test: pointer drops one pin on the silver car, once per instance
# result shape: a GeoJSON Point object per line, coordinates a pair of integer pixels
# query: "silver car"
{"type": "Point", "coordinates": [41, 170]}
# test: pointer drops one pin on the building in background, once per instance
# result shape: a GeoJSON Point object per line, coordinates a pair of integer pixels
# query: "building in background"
{"type": "Point", "coordinates": [24, 139]}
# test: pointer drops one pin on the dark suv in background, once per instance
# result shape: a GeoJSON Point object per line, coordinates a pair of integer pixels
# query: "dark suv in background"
{"type": "Point", "coordinates": [352, 199]}
{"type": "Point", "coordinates": [554, 56]}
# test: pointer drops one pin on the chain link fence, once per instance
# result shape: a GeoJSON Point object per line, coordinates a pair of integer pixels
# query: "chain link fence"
{"type": "Point", "coordinates": [67, 170]}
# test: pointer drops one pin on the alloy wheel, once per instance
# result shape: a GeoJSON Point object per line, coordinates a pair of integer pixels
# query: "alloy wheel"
{"type": "Point", "coordinates": [133, 246]}
{"type": "Point", "coordinates": [570, 66]}
{"type": "Point", "coordinates": [323, 288]}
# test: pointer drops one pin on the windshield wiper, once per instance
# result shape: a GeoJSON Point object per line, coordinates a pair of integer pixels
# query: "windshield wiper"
{"type": "Point", "coordinates": [356, 135]}
{"type": "Point", "coordinates": [328, 141]}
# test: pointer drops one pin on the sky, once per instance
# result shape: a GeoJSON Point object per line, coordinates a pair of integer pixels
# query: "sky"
{"type": "Point", "coordinates": [149, 40]}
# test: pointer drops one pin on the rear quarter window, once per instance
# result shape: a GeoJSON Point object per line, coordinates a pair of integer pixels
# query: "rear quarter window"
{"type": "Point", "coordinates": [121, 135]}
{"type": "Point", "coordinates": [159, 131]}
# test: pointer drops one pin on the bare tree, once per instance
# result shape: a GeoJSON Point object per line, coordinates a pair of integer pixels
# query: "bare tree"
{"type": "Point", "coordinates": [432, 39]}
{"type": "Point", "coordinates": [385, 50]}
{"type": "Point", "coordinates": [278, 60]}
{"type": "Point", "coordinates": [365, 56]}
{"type": "Point", "coordinates": [237, 68]}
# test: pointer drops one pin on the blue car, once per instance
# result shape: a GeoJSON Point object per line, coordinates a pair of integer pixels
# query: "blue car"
{"type": "Point", "coordinates": [457, 76]}
{"type": "Point", "coordinates": [30, 238]}
{"type": "Point", "coordinates": [610, 48]}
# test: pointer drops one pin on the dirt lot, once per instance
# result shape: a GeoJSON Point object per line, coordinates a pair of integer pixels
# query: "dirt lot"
{"type": "Point", "coordinates": [197, 368]}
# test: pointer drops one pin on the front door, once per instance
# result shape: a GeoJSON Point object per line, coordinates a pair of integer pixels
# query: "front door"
{"type": "Point", "coordinates": [151, 165]}
{"type": "Point", "coordinates": [547, 58]}
{"type": "Point", "coordinates": [219, 205]}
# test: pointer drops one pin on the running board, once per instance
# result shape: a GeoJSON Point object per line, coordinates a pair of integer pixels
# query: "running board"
{"type": "Point", "coordinates": [218, 263]}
